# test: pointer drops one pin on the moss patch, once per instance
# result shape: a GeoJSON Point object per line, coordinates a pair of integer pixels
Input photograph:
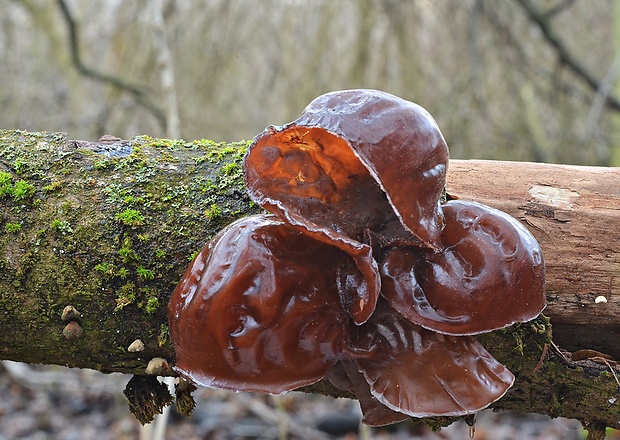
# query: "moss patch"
{"type": "Point", "coordinates": [108, 234]}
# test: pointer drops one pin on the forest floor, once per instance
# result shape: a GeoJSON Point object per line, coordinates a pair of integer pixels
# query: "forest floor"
{"type": "Point", "coordinates": [42, 403]}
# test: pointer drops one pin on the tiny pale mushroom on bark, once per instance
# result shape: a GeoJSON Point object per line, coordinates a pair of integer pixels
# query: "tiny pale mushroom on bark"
{"type": "Point", "coordinates": [136, 346]}
{"type": "Point", "coordinates": [158, 366]}
{"type": "Point", "coordinates": [361, 275]}
{"type": "Point", "coordinates": [72, 331]}
{"type": "Point", "coordinates": [70, 313]}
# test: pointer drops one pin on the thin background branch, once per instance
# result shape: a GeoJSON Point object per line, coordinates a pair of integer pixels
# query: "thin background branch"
{"type": "Point", "coordinates": [137, 91]}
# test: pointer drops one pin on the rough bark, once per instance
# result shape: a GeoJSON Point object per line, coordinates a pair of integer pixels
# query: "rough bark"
{"type": "Point", "coordinates": [574, 213]}
{"type": "Point", "coordinates": [109, 227]}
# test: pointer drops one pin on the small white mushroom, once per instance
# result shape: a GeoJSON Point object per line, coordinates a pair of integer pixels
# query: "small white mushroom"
{"type": "Point", "coordinates": [600, 299]}
{"type": "Point", "coordinates": [70, 313]}
{"type": "Point", "coordinates": [158, 367]}
{"type": "Point", "coordinates": [72, 331]}
{"type": "Point", "coordinates": [136, 346]}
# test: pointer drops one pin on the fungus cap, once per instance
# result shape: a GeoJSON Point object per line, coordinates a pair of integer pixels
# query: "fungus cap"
{"type": "Point", "coordinates": [421, 373]}
{"type": "Point", "coordinates": [354, 161]}
{"type": "Point", "coordinates": [490, 274]}
{"type": "Point", "coordinates": [258, 309]}
{"type": "Point", "coordinates": [346, 376]}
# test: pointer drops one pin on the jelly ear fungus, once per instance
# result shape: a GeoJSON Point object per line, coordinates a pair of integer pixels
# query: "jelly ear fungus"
{"type": "Point", "coordinates": [360, 275]}
{"type": "Point", "coordinates": [422, 373]}
{"type": "Point", "coordinates": [490, 274]}
{"type": "Point", "coordinates": [258, 310]}
{"type": "Point", "coordinates": [354, 161]}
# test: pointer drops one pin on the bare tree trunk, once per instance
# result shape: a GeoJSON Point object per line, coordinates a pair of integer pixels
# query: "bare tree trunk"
{"type": "Point", "coordinates": [108, 228]}
{"type": "Point", "coordinates": [166, 67]}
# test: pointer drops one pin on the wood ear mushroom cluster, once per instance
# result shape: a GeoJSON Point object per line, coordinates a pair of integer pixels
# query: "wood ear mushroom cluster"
{"type": "Point", "coordinates": [359, 274]}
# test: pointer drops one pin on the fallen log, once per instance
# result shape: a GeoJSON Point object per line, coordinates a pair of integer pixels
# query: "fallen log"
{"type": "Point", "coordinates": [574, 213]}
{"type": "Point", "coordinates": [108, 228]}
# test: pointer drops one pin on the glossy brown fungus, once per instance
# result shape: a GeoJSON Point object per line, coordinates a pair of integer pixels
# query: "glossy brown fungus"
{"type": "Point", "coordinates": [361, 276]}
{"type": "Point", "coordinates": [258, 309]}
{"type": "Point", "coordinates": [422, 373]}
{"type": "Point", "coordinates": [355, 161]}
{"type": "Point", "coordinates": [346, 376]}
{"type": "Point", "coordinates": [490, 274]}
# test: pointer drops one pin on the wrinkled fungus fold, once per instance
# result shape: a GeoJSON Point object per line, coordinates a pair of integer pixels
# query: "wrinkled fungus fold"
{"type": "Point", "coordinates": [354, 161]}
{"type": "Point", "coordinates": [258, 309]}
{"type": "Point", "coordinates": [346, 376]}
{"type": "Point", "coordinates": [360, 275]}
{"type": "Point", "coordinates": [424, 374]}
{"type": "Point", "coordinates": [490, 274]}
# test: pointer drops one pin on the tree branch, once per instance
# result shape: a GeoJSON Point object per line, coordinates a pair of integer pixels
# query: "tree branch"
{"type": "Point", "coordinates": [137, 91]}
{"type": "Point", "coordinates": [564, 56]}
{"type": "Point", "coordinates": [555, 10]}
{"type": "Point", "coordinates": [108, 228]}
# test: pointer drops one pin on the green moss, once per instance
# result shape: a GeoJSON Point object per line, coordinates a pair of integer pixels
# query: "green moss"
{"type": "Point", "coordinates": [12, 228]}
{"type": "Point", "coordinates": [130, 217]}
{"type": "Point", "coordinates": [164, 335]}
{"type": "Point", "coordinates": [167, 157]}
{"type": "Point", "coordinates": [125, 295]}
{"type": "Point", "coordinates": [133, 200]}
{"type": "Point", "coordinates": [62, 226]}
{"type": "Point", "coordinates": [6, 184]}
{"type": "Point", "coordinates": [145, 274]}
{"type": "Point", "coordinates": [230, 168]}
{"type": "Point", "coordinates": [19, 192]}
{"type": "Point", "coordinates": [213, 212]}
{"type": "Point", "coordinates": [152, 304]}
{"type": "Point", "coordinates": [108, 270]}
{"type": "Point", "coordinates": [22, 190]}
{"type": "Point", "coordinates": [165, 143]}
{"type": "Point", "coordinates": [193, 255]}
{"type": "Point", "coordinates": [52, 187]}
{"type": "Point", "coordinates": [20, 165]}
{"type": "Point", "coordinates": [121, 275]}
{"type": "Point", "coordinates": [127, 254]}
{"type": "Point", "coordinates": [101, 164]}
{"type": "Point", "coordinates": [115, 192]}
{"type": "Point", "coordinates": [518, 343]}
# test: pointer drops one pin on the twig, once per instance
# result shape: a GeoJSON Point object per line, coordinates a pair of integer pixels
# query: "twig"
{"type": "Point", "coordinates": [166, 70]}
{"type": "Point", "coordinates": [559, 353]}
{"type": "Point", "coordinates": [558, 8]}
{"type": "Point", "coordinates": [31, 378]}
{"type": "Point", "coordinates": [270, 415]}
{"type": "Point", "coordinates": [598, 103]}
{"type": "Point", "coordinates": [281, 412]}
{"type": "Point", "coordinates": [564, 56]}
{"type": "Point", "coordinates": [137, 91]}
{"type": "Point", "coordinates": [545, 350]}
{"type": "Point", "coordinates": [612, 371]}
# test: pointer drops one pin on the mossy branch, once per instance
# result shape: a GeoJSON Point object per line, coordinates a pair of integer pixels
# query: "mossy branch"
{"type": "Point", "coordinates": [108, 227]}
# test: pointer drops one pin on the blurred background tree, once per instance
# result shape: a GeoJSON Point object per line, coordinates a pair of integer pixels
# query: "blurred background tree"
{"type": "Point", "coordinates": [506, 79]}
